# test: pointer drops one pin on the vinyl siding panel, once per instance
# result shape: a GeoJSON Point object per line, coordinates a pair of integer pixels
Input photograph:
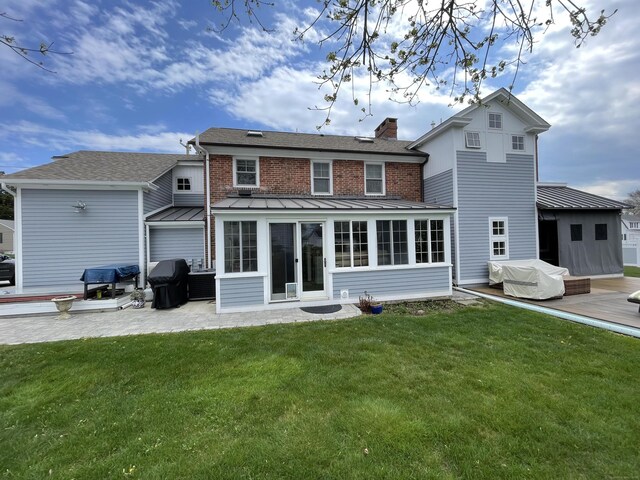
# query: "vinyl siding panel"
{"type": "Point", "coordinates": [188, 199]}
{"type": "Point", "coordinates": [500, 189]}
{"type": "Point", "coordinates": [162, 197]}
{"type": "Point", "coordinates": [438, 189]}
{"type": "Point", "coordinates": [167, 243]}
{"type": "Point", "coordinates": [382, 283]}
{"type": "Point", "coordinates": [241, 292]}
{"type": "Point", "coordinates": [58, 244]}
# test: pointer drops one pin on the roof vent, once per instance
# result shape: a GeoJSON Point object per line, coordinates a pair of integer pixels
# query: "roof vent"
{"type": "Point", "coordinates": [244, 192]}
{"type": "Point", "coordinates": [254, 133]}
{"type": "Point", "coordinates": [365, 139]}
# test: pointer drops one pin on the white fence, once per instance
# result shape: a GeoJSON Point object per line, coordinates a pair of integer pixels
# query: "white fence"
{"type": "Point", "coordinates": [631, 253]}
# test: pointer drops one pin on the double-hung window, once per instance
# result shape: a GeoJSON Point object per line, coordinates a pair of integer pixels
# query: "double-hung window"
{"type": "Point", "coordinates": [245, 172]}
{"type": "Point", "coordinates": [374, 178]}
{"type": "Point", "coordinates": [392, 242]}
{"type": "Point", "coordinates": [240, 247]}
{"type": "Point", "coordinates": [498, 239]}
{"type": "Point", "coordinates": [429, 241]}
{"type": "Point", "coordinates": [495, 121]}
{"type": "Point", "coordinates": [351, 244]}
{"type": "Point", "coordinates": [183, 184]}
{"type": "Point", "coordinates": [517, 142]}
{"type": "Point", "coordinates": [321, 178]}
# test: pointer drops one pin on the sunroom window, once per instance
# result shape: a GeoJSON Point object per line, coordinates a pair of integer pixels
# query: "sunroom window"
{"type": "Point", "coordinates": [240, 247]}
{"type": "Point", "coordinates": [351, 244]}
{"type": "Point", "coordinates": [429, 241]}
{"type": "Point", "coordinates": [392, 242]}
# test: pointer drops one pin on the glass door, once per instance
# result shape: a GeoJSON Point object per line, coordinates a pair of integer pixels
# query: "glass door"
{"type": "Point", "coordinates": [283, 261]}
{"type": "Point", "coordinates": [312, 259]}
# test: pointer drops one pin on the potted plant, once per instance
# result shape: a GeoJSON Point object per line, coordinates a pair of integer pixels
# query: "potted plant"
{"type": "Point", "coordinates": [137, 298]}
{"type": "Point", "coordinates": [369, 305]}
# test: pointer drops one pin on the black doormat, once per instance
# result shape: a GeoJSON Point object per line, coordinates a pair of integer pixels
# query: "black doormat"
{"type": "Point", "coordinates": [322, 309]}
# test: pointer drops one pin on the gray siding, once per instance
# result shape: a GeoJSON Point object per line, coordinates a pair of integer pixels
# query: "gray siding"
{"type": "Point", "coordinates": [188, 199]}
{"type": "Point", "coordinates": [382, 283]}
{"type": "Point", "coordinates": [241, 292]}
{"type": "Point", "coordinates": [439, 190]}
{"type": "Point", "coordinates": [162, 197]}
{"type": "Point", "coordinates": [487, 189]}
{"type": "Point", "coordinates": [58, 244]}
{"type": "Point", "coordinates": [167, 243]}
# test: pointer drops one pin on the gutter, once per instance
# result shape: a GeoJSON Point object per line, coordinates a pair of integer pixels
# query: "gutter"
{"type": "Point", "coordinates": [207, 182]}
{"type": "Point", "coordinates": [572, 317]}
{"type": "Point", "coordinates": [422, 178]}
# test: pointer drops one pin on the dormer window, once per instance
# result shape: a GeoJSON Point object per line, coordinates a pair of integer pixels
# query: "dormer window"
{"type": "Point", "coordinates": [183, 184]}
{"type": "Point", "coordinates": [517, 142]}
{"type": "Point", "coordinates": [472, 139]}
{"type": "Point", "coordinates": [495, 121]}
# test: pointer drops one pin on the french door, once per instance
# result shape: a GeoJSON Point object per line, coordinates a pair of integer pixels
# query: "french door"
{"type": "Point", "coordinates": [297, 269]}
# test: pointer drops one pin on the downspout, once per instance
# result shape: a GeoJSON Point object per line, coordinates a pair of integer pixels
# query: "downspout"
{"type": "Point", "coordinates": [207, 182]}
{"type": "Point", "coordinates": [17, 234]}
{"type": "Point", "coordinates": [422, 178]}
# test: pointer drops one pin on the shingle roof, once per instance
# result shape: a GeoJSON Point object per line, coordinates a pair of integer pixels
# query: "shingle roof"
{"type": "Point", "coordinates": [315, 203]}
{"type": "Point", "coordinates": [102, 167]}
{"type": "Point", "coordinates": [8, 223]}
{"type": "Point", "coordinates": [178, 214]}
{"type": "Point", "coordinates": [566, 198]}
{"type": "Point", "coordinates": [305, 141]}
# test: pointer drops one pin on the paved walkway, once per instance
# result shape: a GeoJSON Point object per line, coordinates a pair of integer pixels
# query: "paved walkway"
{"type": "Point", "coordinates": [191, 316]}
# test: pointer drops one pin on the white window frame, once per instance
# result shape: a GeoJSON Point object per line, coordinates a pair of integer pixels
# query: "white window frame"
{"type": "Point", "coordinates": [489, 120]}
{"type": "Point", "coordinates": [499, 238]}
{"type": "Point", "coordinates": [330, 192]}
{"type": "Point", "coordinates": [352, 265]}
{"type": "Point", "coordinates": [468, 144]}
{"type": "Point", "coordinates": [513, 143]}
{"type": "Point", "coordinates": [384, 179]}
{"type": "Point", "coordinates": [235, 172]}
{"type": "Point", "coordinates": [190, 189]}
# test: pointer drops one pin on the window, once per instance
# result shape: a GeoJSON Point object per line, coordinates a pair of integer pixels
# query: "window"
{"type": "Point", "coordinates": [472, 139]}
{"type": "Point", "coordinates": [495, 120]}
{"type": "Point", "coordinates": [348, 234]}
{"type": "Point", "coordinates": [1, 239]}
{"type": "Point", "coordinates": [321, 178]}
{"type": "Point", "coordinates": [517, 142]}
{"type": "Point", "coordinates": [601, 231]}
{"type": "Point", "coordinates": [634, 225]}
{"type": "Point", "coordinates": [183, 184]}
{"type": "Point", "coordinates": [429, 241]}
{"type": "Point", "coordinates": [240, 247]}
{"type": "Point", "coordinates": [498, 239]}
{"type": "Point", "coordinates": [392, 242]}
{"type": "Point", "coordinates": [374, 178]}
{"type": "Point", "coordinates": [245, 172]}
{"type": "Point", "coordinates": [576, 232]}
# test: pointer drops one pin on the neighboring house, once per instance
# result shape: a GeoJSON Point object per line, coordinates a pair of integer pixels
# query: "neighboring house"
{"type": "Point", "coordinates": [483, 161]}
{"type": "Point", "coordinates": [630, 228]}
{"type": "Point", "coordinates": [579, 231]}
{"type": "Point", "coordinates": [7, 229]}
{"type": "Point", "coordinates": [89, 208]}
{"type": "Point", "coordinates": [322, 218]}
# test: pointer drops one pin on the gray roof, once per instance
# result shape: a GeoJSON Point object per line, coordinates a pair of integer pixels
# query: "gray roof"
{"type": "Point", "coordinates": [315, 203]}
{"type": "Point", "coordinates": [566, 198]}
{"type": "Point", "coordinates": [178, 214]}
{"type": "Point", "coordinates": [305, 141]}
{"type": "Point", "coordinates": [8, 223]}
{"type": "Point", "coordinates": [95, 166]}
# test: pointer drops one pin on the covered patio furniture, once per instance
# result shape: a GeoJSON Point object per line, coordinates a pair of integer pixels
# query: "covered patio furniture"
{"type": "Point", "coordinates": [169, 282]}
{"type": "Point", "coordinates": [109, 274]}
{"type": "Point", "coordinates": [635, 298]}
{"type": "Point", "coordinates": [496, 271]}
{"type": "Point", "coordinates": [531, 282]}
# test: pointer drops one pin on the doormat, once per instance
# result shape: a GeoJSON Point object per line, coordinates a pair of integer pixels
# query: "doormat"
{"type": "Point", "coordinates": [322, 309]}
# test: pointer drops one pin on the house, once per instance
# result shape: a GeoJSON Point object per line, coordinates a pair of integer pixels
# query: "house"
{"type": "Point", "coordinates": [579, 231]}
{"type": "Point", "coordinates": [90, 208]}
{"type": "Point", "coordinates": [7, 229]}
{"type": "Point", "coordinates": [321, 219]}
{"type": "Point", "coordinates": [630, 225]}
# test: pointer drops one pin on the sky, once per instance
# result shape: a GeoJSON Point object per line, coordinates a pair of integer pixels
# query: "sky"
{"type": "Point", "coordinates": [145, 74]}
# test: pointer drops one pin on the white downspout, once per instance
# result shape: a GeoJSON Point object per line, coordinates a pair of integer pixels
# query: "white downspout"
{"type": "Point", "coordinates": [17, 233]}
{"type": "Point", "coordinates": [141, 241]}
{"type": "Point", "coordinates": [207, 213]}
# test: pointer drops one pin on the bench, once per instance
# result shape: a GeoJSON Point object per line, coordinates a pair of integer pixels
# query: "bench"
{"type": "Point", "coordinates": [576, 285]}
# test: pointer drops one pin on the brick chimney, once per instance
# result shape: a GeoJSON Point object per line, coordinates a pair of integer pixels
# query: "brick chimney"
{"type": "Point", "coordinates": [388, 129]}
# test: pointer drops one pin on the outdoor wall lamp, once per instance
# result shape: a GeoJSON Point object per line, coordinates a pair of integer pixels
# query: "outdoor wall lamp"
{"type": "Point", "coordinates": [79, 206]}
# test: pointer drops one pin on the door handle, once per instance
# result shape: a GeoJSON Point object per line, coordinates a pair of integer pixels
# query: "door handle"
{"type": "Point", "coordinates": [325, 263]}
{"type": "Point", "coordinates": [296, 260]}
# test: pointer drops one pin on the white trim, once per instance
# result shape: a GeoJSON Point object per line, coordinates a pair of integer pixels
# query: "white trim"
{"type": "Point", "coordinates": [235, 172]}
{"type": "Point", "coordinates": [380, 214]}
{"type": "Point", "coordinates": [190, 163]}
{"type": "Point", "coordinates": [499, 238]}
{"type": "Point", "coordinates": [192, 224]}
{"type": "Point", "coordinates": [330, 192]}
{"type": "Point", "coordinates": [148, 250]}
{"type": "Point", "coordinates": [240, 274]}
{"type": "Point", "coordinates": [17, 240]}
{"type": "Point", "coordinates": [456, 239]}
{"type": "Point", "coordinates": [474, 281]}
{"type": "Point", "coordinates": [524, 144]}
{"type": "Point", "coordinates": [499, 114]}
{"type": "Point", "coordinates": [141, 240]}
{"type": "Point", "coordinates": [383, 179]}
{"type": "Point", "coordinates": [404, 266]}
{"type": "Point", "coordinates": [80, 184]}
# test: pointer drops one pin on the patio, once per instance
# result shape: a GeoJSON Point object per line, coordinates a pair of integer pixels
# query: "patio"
{"type": "Point", "coordinates": [607, 300]}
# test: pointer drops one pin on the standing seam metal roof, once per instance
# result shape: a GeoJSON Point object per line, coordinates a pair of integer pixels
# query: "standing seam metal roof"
{"type": "Point", "coordinates": [178, 214]}
{"type": "Point", "coordinates": [566, 198]}
{"type": "Point", "coordinates": [304, 203]}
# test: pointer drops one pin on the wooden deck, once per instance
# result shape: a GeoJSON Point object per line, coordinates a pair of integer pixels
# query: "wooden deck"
{"type": "Point", "coordinates": [607, 300]}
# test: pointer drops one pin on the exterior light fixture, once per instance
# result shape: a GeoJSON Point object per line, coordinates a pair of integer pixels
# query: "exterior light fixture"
{"type": "Point", "coordinates": [79, 206]}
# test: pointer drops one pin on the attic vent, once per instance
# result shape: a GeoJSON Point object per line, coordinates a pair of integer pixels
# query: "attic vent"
{"type": "Point", "coordinates": [254, 133]}
{"type": "Point", "coordinates": [365, 139]}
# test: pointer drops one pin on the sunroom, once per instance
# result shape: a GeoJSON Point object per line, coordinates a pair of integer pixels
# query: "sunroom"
{"type": "Point", "coordinates": [277, 252]}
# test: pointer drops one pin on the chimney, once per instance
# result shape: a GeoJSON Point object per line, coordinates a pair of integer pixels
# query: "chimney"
{"type": "Point", "coordinates": [388, 129]}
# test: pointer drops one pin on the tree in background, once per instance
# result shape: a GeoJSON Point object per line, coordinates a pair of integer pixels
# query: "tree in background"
{"type": "Point", "coordinates": [409, 44]}
{"type": "Point", "coordinates": [6, 206]}
{"type": "Point", "coordinates": [634, 199]}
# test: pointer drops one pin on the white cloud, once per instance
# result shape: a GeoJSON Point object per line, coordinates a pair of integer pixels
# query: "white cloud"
{"type": "Point", "coordinates": [616, 189]}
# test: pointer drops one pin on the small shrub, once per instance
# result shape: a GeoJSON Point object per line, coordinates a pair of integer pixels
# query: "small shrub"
{"type": "Point", "coordinates": [365, 302]}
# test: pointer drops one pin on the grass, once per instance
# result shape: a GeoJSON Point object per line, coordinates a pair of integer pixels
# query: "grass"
{"type": "Point", "coordinates": [632, 271]}
{"type": "Point", "coordinates": [480, 392]}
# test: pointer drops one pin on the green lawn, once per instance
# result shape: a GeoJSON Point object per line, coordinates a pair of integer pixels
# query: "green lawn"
{"type": "Point", "coordinates": [632, 271]}
{"type": "Point", "coordinates": [480, 392]}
